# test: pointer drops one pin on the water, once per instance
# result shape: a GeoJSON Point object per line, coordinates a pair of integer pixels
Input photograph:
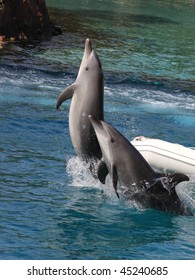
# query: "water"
{"type": "Point", "coordinates": [50, 206]}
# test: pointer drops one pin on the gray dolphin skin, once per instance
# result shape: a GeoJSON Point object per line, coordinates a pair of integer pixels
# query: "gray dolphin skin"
{"type": "Point", "coordinates": [138, 181]}
{"type": "Point", "coordinates": [87, 94]}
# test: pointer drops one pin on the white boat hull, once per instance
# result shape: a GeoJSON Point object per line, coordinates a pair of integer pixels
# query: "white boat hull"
{"type": "Point", "coordinates": [166, 156]}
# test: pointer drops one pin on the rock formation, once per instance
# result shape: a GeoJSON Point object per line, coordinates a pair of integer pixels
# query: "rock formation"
{"type": "Point", "coordinates": [25, 20]}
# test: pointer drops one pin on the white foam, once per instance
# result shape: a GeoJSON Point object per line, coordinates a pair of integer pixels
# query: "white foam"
{"type": "Point", "coordinates": [79, 173]}
{"type": "Point", "coordinates": [153, 98]}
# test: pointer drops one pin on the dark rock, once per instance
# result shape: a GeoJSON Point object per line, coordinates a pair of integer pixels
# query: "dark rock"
{"type": "Point", "coordinates": [26, 20]}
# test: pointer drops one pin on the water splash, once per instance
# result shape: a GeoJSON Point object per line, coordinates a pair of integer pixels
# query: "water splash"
{"type": "Point", "coordinates": [80, 176]}
{"type": "Point", "coordinates": [79, 173]}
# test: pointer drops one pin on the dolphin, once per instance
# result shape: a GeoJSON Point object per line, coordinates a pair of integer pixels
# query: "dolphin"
{"type": "Point", "coordinates": [87, 94]}
{"type": "Point", "coordinates": [138, 181]}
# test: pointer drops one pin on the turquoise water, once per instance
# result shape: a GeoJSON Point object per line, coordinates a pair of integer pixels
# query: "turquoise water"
{"type": "Point", "coordinates": [50, 206]}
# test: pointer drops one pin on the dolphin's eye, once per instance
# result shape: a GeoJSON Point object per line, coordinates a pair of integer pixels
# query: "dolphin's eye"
{"type": "Point", "coordinates": [86, 68]}
{"type": "Point", "coordinates": [112, 140]}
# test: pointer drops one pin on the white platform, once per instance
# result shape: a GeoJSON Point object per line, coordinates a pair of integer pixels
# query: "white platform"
{"type": "Point", "coordinates": [165, 155]}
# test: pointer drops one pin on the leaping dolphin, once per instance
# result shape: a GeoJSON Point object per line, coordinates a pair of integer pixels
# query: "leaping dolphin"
{"type": "Point", "coordinates": [87, 94]}
{"type": "Point", "coordinates": [137, 179]}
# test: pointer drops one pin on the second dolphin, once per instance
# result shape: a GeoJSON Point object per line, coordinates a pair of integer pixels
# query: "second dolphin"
{"type": "Point", "coordinates": [138, 181]}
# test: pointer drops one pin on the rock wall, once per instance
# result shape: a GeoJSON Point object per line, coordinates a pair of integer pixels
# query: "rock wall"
{"type": "Point", "coordinates": [25, 20]}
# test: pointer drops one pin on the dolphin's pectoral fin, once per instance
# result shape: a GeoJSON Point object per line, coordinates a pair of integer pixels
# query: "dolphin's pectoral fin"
{"type": "Point", "coordinates": [114, 176]}
{"type": "Point", "coordinates": [102, 171]}
{"type": "Point", "coordinates": [66, 94]}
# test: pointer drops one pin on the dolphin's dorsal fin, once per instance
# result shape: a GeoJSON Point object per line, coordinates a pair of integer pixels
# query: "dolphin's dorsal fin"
{"type": "Point", "coordinates": [171, 180]}
{"type": "Point", "coordinates": [102, 171]}
{"type": "Point", "coordinates": [177, 178]}
{"type": "Point", "coordinates": [67, 93]}
{"type": "Point", "coordinates": [114, 176]}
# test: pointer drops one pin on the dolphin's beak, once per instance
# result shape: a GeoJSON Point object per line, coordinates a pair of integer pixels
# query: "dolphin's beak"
{"type": "Point", "coordinates": [99, 127]}
{"type": "Point", "coordinates": [88, 47]}
{"type": "Point", "coordinates": [88, 43]}
{"type": "Point", "coordinates": [92, 119]}
{"type": "Point", "coordinates": [95, 122]}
